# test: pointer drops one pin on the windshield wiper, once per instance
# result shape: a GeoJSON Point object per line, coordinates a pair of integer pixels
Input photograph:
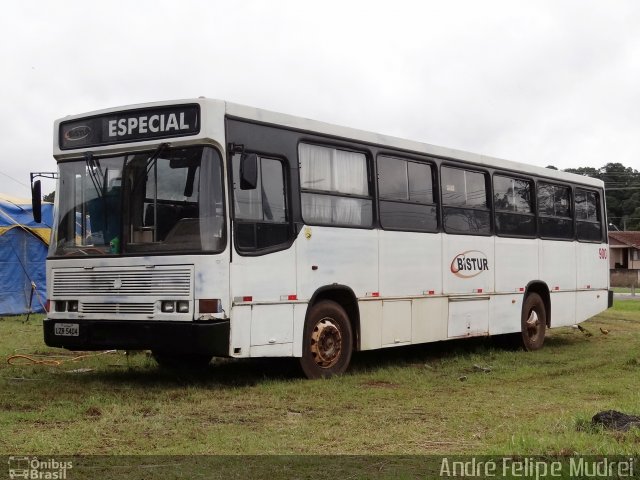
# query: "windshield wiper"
{"type": "Point", "coordinates": [93, 166]}
{"type": "Point", "coordinates": [154, 156]}
{"type": "Point", "coordinates": [149, 164]}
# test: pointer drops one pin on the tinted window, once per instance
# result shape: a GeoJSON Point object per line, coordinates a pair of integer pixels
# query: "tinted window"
{"type": "Point", "coordinates": [335, 187]}
{"type": "Point", "coordinates": [464, 196]}
{"type": "Point", "coordinates": [406, 195]}
{"type": "Point", "coordinates": [463, 187]}
{"type": "Point", "coordinates": [404, 180]}
{"type": "Point", "coordinates": [273, 207]}
{"type": "Point", "coordinates": [512, 194]}
{"type": "Point", "coordinates": [587, 206]}
{"type": "Point", "coordinates": [420, 186]}
{"type": "Point", "coordinates": [260, 214]}
{"type": "Point", "coordinates": [589, 223]}
{"type": "Point", "coordinates": [467, 220]}
{"type": "Point", "coordinates": [393, 181]}
{"type": "Point", "coordinates": [554, 208]}
{"type": "Point", "coordinates": [554, 200]}
{"type": "Point", "coordinates": [511, 224]}
{"type": "Point", "coordinates": [512, 199]}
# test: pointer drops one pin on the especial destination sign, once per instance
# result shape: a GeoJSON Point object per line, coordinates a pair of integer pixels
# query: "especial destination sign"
{"type": "Point", "coordinates": [130, 126]}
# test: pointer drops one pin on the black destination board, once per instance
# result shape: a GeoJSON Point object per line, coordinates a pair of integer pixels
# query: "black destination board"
{"type": "Point", "coordinates": [130, 126]}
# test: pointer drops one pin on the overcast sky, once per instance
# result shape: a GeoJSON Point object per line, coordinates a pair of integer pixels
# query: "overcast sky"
{"type": "Point", "coordinates": [543, 82]}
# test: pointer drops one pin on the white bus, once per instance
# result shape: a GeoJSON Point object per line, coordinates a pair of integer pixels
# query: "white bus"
{"type": "Point", "coordinates": [203, 228]}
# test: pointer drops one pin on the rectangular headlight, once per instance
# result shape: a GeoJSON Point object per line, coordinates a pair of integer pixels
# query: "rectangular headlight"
{"type": "Point", "coordinates": [183, 306]}
{"type": "Point", "coordinates": [168, 306]}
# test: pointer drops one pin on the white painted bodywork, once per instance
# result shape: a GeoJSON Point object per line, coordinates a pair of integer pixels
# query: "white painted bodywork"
{"type": "Point", "coordinates": [406, 288]}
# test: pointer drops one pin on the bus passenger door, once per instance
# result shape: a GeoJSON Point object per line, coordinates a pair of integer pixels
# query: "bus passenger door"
{"type": "Point", "coordinates": [262, 269]}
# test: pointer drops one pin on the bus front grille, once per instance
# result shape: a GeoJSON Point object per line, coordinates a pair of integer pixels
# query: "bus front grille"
{"type": "Point", "coordinates": [167, 282]}
{"type": "Point", "coordinates": [124, 308]}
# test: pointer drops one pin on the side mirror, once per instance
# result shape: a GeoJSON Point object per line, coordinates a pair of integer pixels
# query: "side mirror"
{"type": "Point", "coordinates": [36, 201]}
{"type": "Point", "coordinates": [248, 171]}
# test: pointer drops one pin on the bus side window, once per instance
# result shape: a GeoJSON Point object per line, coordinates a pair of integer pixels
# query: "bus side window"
{"type": "Point", "coordinates": [464, 201]}
{"type": "Point", "coordinates": [261, 217]}
{"type": "Point", "coordinates": [589, 223]}
{"type": "Point", "coordinates": [512, 200]}
{"type": "Point", "coordinates": [334, 187]}
{"type": "Point", "coordinates": [555, 218]}
{"type": "Point", "coordinates": [406, 195]}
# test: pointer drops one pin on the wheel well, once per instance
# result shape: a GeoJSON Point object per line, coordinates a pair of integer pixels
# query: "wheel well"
{"type": "Point", "coordinates": [541, 289]}
{"type": "Point", "coordinates": [345, 297]}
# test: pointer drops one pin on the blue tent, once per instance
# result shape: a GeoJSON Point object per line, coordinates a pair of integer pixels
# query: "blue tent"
{"type": "Point", "coordinates": [23, 251]}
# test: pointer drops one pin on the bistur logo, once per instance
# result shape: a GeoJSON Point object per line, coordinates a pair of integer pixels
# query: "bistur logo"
{"type": "Point", "coordinates": [469, 264]}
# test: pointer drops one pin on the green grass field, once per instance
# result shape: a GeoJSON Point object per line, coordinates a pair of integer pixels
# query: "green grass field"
{"type": "Point", "coordinates": [627, 290]}
{"type": "Point", "coordinates": [418, 400]}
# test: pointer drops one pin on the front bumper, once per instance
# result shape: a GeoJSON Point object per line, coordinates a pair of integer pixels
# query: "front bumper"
{"type": "Point", "coordinates": [171, 337]}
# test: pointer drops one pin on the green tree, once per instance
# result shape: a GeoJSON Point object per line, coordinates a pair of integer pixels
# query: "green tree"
{"type": "Point", "coordinates": [633, 220]}
{"type": "Point", "coordinates": [585, 171]}
{"type": "Point", "coordinates": [622, 186]}
{"type": "Point", "coordinates": [50, 197]}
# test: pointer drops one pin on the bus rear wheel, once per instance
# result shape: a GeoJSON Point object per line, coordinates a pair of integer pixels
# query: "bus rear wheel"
{"type": "Point", "coordinates": [327, 342]}
{"type": "Point", "coordinates": [533, 322]}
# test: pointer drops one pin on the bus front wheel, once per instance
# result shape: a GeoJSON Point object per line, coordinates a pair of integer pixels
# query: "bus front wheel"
{"type": "Point", "coordinates": [328, 341]}
{"type": "Point", "coordinates": [534, 322]}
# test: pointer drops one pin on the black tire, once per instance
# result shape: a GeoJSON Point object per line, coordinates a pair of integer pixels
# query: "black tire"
{"type": "Point", "coordinates": [181, 361]}
{"type": "Point", "coordinates": [327, 341]}
{"type": "Point", "coordinates": [533, 322]}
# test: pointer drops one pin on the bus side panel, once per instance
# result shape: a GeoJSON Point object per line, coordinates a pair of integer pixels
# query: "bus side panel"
{"type": "Point", "coordinates": [558, 271]}
{"type": "Point", "coordinates": [271, 324]}
{"type": "Point", "coordinates": [468, 317]}
{"type": "Point", "coordinates": [592, 265]}
{"type": "Point", "coordinates": [240, 343]}
{"type": "Point", "coordinates": [558, 265]}
{"type": "Point", "coordinates": [505, 313]}
{"type": "Point", "coordinates": [590, 303]}
{"type": "Point", "coordinates": [563, 308]}
{"type": "Point", "coordinates": [340, 255]}
{"type": "Point", "coordinates": [370, 324]}
{"type": "Point", "coordinates": [299, 315]}
{"type": "Point", "coordinates": [265, 278]}
{"type": "Point", "coordinates": [262, 330]}
{"type": "Point", "coordinates": [429, 319]}
{"type": "Point", "coordinates": [468, 264]}
{"type": "Point", "coordinates": [592, 279]}
{"type": "Point", "coordinates": [409, 263]}
{"type": "Point", "coordinates": [428, 322]}
{"type": "Point", "coordinates": [516, 266]}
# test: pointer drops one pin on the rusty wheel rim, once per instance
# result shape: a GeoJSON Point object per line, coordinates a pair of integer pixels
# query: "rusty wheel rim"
{"type": "Point", "coordinates": [326, 343]}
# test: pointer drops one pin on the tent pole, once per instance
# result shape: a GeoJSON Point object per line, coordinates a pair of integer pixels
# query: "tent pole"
{"type": "Point", "coordinates": [33, 289]}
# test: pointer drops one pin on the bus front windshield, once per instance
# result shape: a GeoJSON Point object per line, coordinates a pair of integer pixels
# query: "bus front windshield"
{"type": "Point", "coordinates": [167, 200]}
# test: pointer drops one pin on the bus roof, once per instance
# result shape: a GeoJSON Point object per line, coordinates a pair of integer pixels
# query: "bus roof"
{"type": "Point", "coordinates": [213, 110]}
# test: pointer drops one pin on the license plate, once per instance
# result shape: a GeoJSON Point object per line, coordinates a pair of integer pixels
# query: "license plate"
{"type": "Point", "coordinates": [67, 329]}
